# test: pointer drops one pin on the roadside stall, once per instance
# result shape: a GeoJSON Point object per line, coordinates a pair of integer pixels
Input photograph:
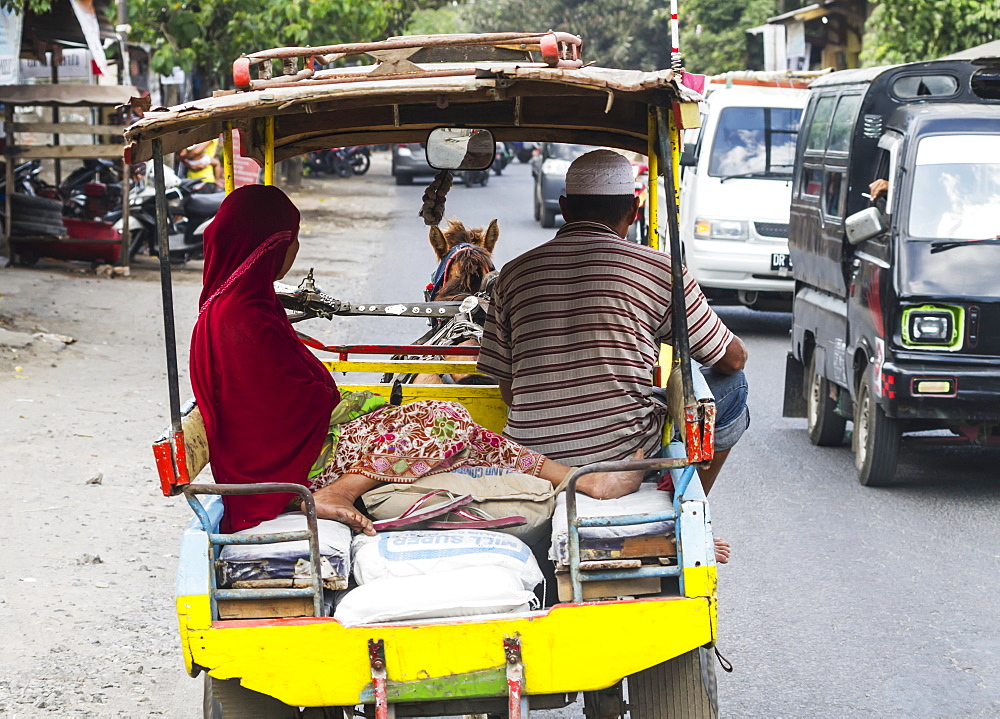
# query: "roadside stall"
{"type": "Point", "coordinates": [35, 226]}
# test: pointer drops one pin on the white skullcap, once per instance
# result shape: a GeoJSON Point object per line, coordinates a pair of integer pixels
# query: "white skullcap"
{"type": "Point", "coordinates": [600, 172]}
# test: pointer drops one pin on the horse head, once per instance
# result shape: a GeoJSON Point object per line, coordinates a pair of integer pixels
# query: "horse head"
{"type": "Point", "coordinates": [458, 234]}
{"type": "Point", "coordinates": [464, 259]}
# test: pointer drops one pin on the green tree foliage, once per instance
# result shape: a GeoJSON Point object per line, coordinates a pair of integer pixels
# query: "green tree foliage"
{"type": "Point", "coordinates": [914, 30]}
{"type": "Point", "coordinates": [713, 32]}
{"type": "Point", "coordinates": [435, 21]}
{"type": "Point", "coordinates": [635, 33]}
{"type": "Point", "coordinates": [205, 36]}
{"type": "Point", "coordinates": [616, 33]}
{"type": "Point", "coordinates": [36, 6]}
{"type": "Point", "coordinates": [408, 16]}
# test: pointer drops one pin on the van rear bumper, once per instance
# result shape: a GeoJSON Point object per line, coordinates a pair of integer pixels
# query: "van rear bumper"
{"type": "Point", "coordinates": [973, 395]}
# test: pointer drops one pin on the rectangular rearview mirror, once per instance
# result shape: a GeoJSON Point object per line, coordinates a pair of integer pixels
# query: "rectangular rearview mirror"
{"type": "Point", "coordinates": [460, 148]}
{"type": "Point", "coordinates": [864, 225]}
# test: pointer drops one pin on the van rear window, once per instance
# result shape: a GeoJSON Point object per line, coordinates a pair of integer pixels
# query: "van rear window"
{"type": "Point", "coordinates": [986, 83]}
{"type": "Point", "coordinates": [755, 142]}
{"type": "Point", "coordinates": [956, 188]}
{"type": "Point", "coordinates": [914, 87]}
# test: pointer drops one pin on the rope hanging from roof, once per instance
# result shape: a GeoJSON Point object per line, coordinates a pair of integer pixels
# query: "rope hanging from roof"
{"type": "Point", "coordinates": [432, 210]}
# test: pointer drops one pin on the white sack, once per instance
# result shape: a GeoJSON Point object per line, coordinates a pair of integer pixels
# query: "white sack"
{"type": "Point", "coordinates": [458, 593]}
{"type": "Point", "coordinates": [420, 552]}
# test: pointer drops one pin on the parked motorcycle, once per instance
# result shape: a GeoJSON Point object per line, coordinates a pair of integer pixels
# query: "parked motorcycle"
{"type": "Point", "coordinates": [340, 161]}
{"type": "Point", "coordinates": [192, 205]}
{"type": "Point", "coordinates": [92, 190]}
{"type": "Point", "coordinates": [358, 158]}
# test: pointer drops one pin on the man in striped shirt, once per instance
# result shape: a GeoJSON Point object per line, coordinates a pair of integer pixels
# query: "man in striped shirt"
{"type": "Point", "coordinates": [575, 327]}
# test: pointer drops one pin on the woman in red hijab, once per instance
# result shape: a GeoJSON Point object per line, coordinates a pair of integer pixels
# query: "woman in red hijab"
{"type": "Point", "coordinates": [273, 412]}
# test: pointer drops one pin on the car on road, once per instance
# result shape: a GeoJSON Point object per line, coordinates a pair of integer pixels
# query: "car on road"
{"type": "Point", "coordinates": [549, 170]}
{"type": "Point", "coordinates": [408, 161]}
{"type": "Point", "coordinates": [735, 194]}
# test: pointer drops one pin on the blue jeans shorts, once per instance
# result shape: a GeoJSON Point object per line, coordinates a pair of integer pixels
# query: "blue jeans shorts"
{"type": "Point", "coordinates": [732, 416]}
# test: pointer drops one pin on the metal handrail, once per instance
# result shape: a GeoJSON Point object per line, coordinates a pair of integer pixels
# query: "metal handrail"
{"type": "Point", "coordinates": [575, 522]}
{"type": "Point", "coordinates": [217, 540]}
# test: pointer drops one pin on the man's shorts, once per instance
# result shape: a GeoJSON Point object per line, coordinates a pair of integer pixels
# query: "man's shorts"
{"type": "Point", "coordinates": [732, 416]}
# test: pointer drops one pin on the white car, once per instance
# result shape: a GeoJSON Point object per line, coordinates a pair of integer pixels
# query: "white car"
{"type": "Point", "coordinates": [735, 195]}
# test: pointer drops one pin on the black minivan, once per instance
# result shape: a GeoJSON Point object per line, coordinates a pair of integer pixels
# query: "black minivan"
{"type": "Point", "coordinates": [896, 314]}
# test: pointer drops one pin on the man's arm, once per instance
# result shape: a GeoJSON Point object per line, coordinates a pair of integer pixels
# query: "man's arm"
{"type": "Point", "coordinates": [506, 392]}
{"type": "Point", "coordinates": [734, 359]}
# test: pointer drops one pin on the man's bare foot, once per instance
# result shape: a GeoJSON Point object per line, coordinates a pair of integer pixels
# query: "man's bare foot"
{"type": "Point", "coordinates": [611, 485]}
{"type": "Point", "coordinates": [721, 551]}
{"type": "Point", "coordinates": [331, 505]}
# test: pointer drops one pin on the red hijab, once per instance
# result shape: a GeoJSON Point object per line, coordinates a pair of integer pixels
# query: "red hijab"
{"type": "Point", "coordinates": [265, 398]}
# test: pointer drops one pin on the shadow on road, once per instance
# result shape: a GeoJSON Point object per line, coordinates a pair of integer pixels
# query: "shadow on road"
{"type": "Point", "coordinates": [966, 468]}
{"type": "Point", "coordinates": [753, 323]}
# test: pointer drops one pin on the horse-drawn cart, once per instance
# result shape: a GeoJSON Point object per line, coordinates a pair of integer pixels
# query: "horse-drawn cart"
{"type": "Point", "coordinates": [275, 651]}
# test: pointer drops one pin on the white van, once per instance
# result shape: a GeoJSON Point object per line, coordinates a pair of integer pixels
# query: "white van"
{"type": "Point", "coordinates": [735, 194]}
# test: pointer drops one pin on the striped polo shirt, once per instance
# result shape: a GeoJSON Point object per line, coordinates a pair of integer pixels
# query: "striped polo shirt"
{"type": "Point", "coordinates": [575, 325]}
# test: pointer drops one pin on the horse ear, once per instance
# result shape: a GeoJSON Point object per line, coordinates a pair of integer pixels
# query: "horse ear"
{"type": "Point", "coordinates": [438, 242]}
{"type": "Point", "coordinates": [492, 235]}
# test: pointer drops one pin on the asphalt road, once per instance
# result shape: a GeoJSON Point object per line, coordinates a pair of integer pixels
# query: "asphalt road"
{"type": "Point", "coordinates": [839, 601]}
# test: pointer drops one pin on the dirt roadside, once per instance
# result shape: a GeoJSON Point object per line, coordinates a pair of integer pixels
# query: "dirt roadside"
{"type": "Point", "coordinates": [88, 545]}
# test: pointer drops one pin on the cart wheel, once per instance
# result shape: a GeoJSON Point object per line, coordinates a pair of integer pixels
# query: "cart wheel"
{"type": "Point", "coordinates": [826, 427]}
{"type": "Point", "coordinates": [604, 704]}
{"type": "Point", "coordinates": [227, 699]}
{"type": "Point", "coordinates": [682, 688]}
{"type": "Point", "coordinates": [876, 438]}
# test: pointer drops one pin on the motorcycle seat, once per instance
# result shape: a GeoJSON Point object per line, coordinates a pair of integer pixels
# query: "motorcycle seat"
{"type": "Point", "coordinates": [203, 205]}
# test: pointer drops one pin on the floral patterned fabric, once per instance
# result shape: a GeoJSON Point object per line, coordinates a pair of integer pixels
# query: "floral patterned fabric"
{"type": "Point", "coordinates": [401, 444]}
{"type": "Point", "coordinates": [351, 406]}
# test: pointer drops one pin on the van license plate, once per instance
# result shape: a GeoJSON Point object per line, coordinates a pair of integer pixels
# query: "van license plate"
{"type": "Point", "coordinates": [780, 261]}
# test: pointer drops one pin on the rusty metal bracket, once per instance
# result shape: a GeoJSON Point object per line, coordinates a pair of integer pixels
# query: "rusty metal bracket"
{"type": "Point", "coordinates": [517, 700]}
{"type": "Point", "coordinates": [376, 657]}
{"type": "Point", "coordinates": [394, 62]}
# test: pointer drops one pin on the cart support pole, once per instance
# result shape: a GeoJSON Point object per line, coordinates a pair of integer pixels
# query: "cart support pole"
{"type": "Point", "coordinates": [653, 201]}
{"type": "Point", "coordinates": [376, 657]}
{"type": "Point", "coordinates": [269, 150]}
{"type": "Point", "coordinates": [682, 347]}
{"type": "Point", "coordinates": [7, 247]}
{"type": "Point", "coordinates": [517, 700]}
{"type": "Point", "coordinates": [163, 243]}
{"type": "Point", "coordinates": [123, 257]}
{"type": "Point", "coordinates": [228, 162]}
